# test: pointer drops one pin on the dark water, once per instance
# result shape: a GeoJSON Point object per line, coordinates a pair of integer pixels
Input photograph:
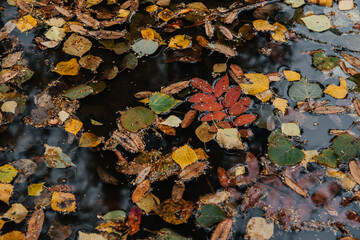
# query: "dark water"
{"type": "Point", "coordinates": [97, 198]}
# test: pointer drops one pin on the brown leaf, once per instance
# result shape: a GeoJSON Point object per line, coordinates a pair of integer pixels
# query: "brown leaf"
{"type": "Point", "coordinates": [105, 34]}
{"type": "Point", "coordinates": [224, 179]}
{"type": "Point", "coordinates": [192, 170]}
{"type": "Point", "coordinates": [351, 59]}
{"type": "Point", "coordinates": [11, 59]}
{"type": "Point", "coordinates": [348, 238]}
{"type": "Point", "coordinates": [64, 12]}
{"type": "Point", "coordinates": [59, 232]}
{"type": "Point", "coordinates": [253, 166]}
{"type": "Point", "coordinates": [330, 110]}
{"type": "Point", "coordinates": [143, 94]}
{"type": "Point", "coordinates": [88, 20]}
{"type": "Point", "coordinates": [175, 88]}
{"type": "Point", "coordinates": [348, 70]}
{"type": "Point", "coordinates": [355, 170]}
{"type": "Point", "coordinates": [230, 18]}
{"type": "Point", "coordinates": [164, 128]}
{"type": "Point", "coordinates": [189, 118]}
{"type": "Point", "coordinates": [23, 6]}
{"type": "Point", "coordinates": [143, 174]}
{"type": "Point", "coordinates": [177, 191]}
{"type": "Point", "coordinates": [215, 198]}
{"type": "Point", "coordinates": [222, 230]}
{"type": "Point", "coordinates": [325, 193]}
{"type": "Point", "coordinates": [7, 29]}
{"type": "Point", "coordinates": [106, 177]}
{"type": "Point", "coordinates": [307, 106]}
{"type": "Point", "coordinates": [35, 225]}
{"type": "Point", "coordinates": [78, 29]}
{"type": "Point", "coordinates": [294, 186]}
{"type": "Point", "coordinates": [226, 32]}
{"type": "Point", "coordinates": [175, 213]}
{"type": "Point", "coordinates": [7, 74]}
{"type": "Point", "coordinates": [220, 125]}
{"type": "Point", "coordinates": [202, 132]}
{"type": "Point", "coordinates": [252, 196]}
{"type": "Point", "coordinates": [202, 98]}
{"type": "Point", "coordinates": [356, 103]}
{"type": "Point", "coordinates": [141, 190]}
{"type": "Point", "coordinates": [209, 30]}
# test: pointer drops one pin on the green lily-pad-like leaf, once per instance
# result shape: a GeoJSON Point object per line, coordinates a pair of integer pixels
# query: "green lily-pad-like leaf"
{"type": "Point", "coordinates": [115, 216]}
{"type": "Point", "coordinates": [137, 118]}
{"type": "Point", "coordinates": [7, 173]}
{"type": "Point", "coordinates": [79, 91]}
{"type": "Point", "coordinates": [346, 147]}
{"type": "Point", "coordinates": [282, 152]}
{"type": "Point", "coordinates": [210, 214]}
{"type": "Point", "coordinates": [55, 158]}
{"type": "Point", "coordinates": [323, 62]}
{"type": "Point", "coordinates": [161, 103]}
{"type": "Point", "coordinates": [130, 61]}
{"type": "Point", "coordinates": [300, 91]}
{"type": "Point", "coordinates": [328, 158]}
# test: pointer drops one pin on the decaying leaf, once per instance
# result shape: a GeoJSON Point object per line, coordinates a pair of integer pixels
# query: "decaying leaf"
{"type": "Point", "coordinates": [355, 170]}
{"type": "Point", "coordinates": [141, 190]}
{"type": "Point", "coordinates": [337, 91]}
{"type": "Point", "coordinates": [222, 230]}
{"type": "Point", "coordinates": [89, 140]}
{"type": "Point", "coordinates": [35, 225]}
{"type": "Point", "coordinates": [7, 173]}
{"type": "Point", "coordinates": [259, 227]}
{"type": "Point", "coordinates": [63, 202]}
{"type": "Point", "coordinates": [70, 67]}
{"type": "Point", "coordinates": [184, 156]}
{"type": "Point", "coordinates": [202, 132]}
{"type": "Point", "coordinates": [76, 45]}
{"type": "Point", "coordinates": [17, 213]}
{"type": "Point", "coordinates": [6, 191]}
{"type": "Point", "coordinates": [192, 170]}
{"type": "Point", "coordinates": [175, 213]}
{"type": "Point", "coordinates": [229, 138]}
{"type": "Point", "coordinates": [26, 23]}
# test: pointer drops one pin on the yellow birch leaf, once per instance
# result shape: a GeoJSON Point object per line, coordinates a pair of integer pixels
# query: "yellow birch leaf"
{"type": "Point", "coordinates": [73, 126]}
{"type": "Point", "coordinates": [35, 189]}
{"type": "Point", "coordinates": [63, 202]}
{"type": "Point", "coordinates": [166, 15]}
{"type": "Point", "coordinates": [337, 91]}
{"type": "Point", "coordinates": [184, 156]}
{"type": "Point", "coordinates": [292, 75]}
{"type": "Point", "coordinates": [26, 23]}
{"type": "Point", "coordinates": [14, 235]}
{"type": "Point", "coordinates": [123, 13]}
{"type": "Point", "coordinates": [264, 96]}
{"type": "Point", "coordinates": [346, 182]}
{"type": "Point", "coordinates": [280, 27]}
{"type": "Point", "coordinates": [263, 25]}
{"type": "Point", "coordinates": [260, 83]}
{"type": "Point", "coordinates": [278, 36]}
{"type": "Point", "coordinates": [2, 222]}
{"type": "Point", "coordinates": [145, 100]}
{"type": "Point", "coordinates": [70, 67]}
{"type": "Point", "coordinates": [151, 8]}
{"type": "Point", "coordinates": [309, 157]}
{"type": "Point", "coordinates": [280, 104]}
{"type": "Point", "coordinates": [201, 154]}
{"type": "Point", "coordinates": [89, 140]}
{"type": "Point", "coordinates": [7, 173]}
{"type": "Point", "coordinates": [5, 192]}
{"type": "Point", "coordinates": [180, 42]}
{"type": "Point", "coordinates": [151, 34]}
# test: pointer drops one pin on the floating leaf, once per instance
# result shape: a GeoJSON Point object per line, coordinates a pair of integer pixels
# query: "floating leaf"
{"type": "Point", "coordinates": [26, 23]}
{"type": "Point", "coordinates": [79, 91]}
{"type": "Point", "coordinates": [260, 83]}
{"type": "Point", "coordinates": [13, 235]}
{"type": "Point", "coordinates": [35, 189]}
{"type": "Point", "coordinates": [144, 47]}
{"type": "Point", "coordinates": [97, 86]}
{"type": "Point", "coordinates": [161, 103]}
{"type": "Point", "coordinates": [115, 216]}
{"type": "Point", "coordinates": [77, 45]}
{"type": "Point", "coordinates": [202, 132]}
{"type": "Point", "coordinates": [290, 129]}
{"type": "Point", "coordinates": [73, 126]}
{"type": "Point", "coordinates": [172, 121]}
{"type": "Point", "coordinates": [281, 104]}
{"type": "Point", "coordinates": [63, 202]}
{"type": "Point", "coordinates": [70, 67]}
{"type": "Point", "coordinates": [221, 86]}
{"type": "Point", "coordinates": [137, 118]}
{"type": "Point", "coordinates": [240, 106]}
{"type": "Point", "coordinates": [292, 75]}
{"type": "Point", "coordinates": [90, 62]}
{"type": "Point", "coordinates": [328, 158]}
{"type": "Point", "coordinates": [346, 147]}
{"type": "Point", "coordinates": [166, 15]}
{"type": "Point", "coordinates": [140, 191]}
{"type": "Point", "coordinates": [90, 236]}
{"type": "Point", "coordinates": [55, 158]}
{"type": "Point", "coordinates": [355, 170]}
{"type": "Point", "coordinates": [7, 173]}
{"type": "Point", "coordinates": [175, 213]}
{"type": "Point", "coordinates": [184, 156]}
{"type": "Point", "coordinates": [214, 116]}
{"type": "Point", "coordinates": [282, 152]}
{"type": "Point", "coordinates": [5, 192]}
{"type": "Point", "coordinates": [232, 96]}
{"type": "Point", "coordinates": [295, 3]}
{"type": "Point", "coordinates": [244, 119]}
{"type": "Point", "coordinates": [202, 98]}
{"type": "Point", "coordinates": [258, 227]}
{"type": "Point", "coordinates": [202, 85]}
{"type": "Point", "coordinates": [263, 25]}
{"type": "Point", "coordinates": [9, 106]}
{"type": "Point", "coordinates": [317, 23]}
{"type": "Point", "coordinates": [130, 61]}
{"type": "Point", "coordinates": [211, 106]}
{"type": "Point", "coordinates": [17, 213]}
{"type": "Point", "coordinates": [301, 91]}
{"type": "Point", "coordinates": [89, 140]}
{"type": "Point", "coordinates": [337, 91]}
{"type": "Point", "coordinates": [210, 214]}
{"type": "Point", "coordinates": [148, 203]}
{"type": "Point", "coordinates": [35, 225]}
{"type": "Point", "coordinates": [229, 138]}
{"type": "Point", "coordinates": [323, 62]}
{"type": "Point", "coordinates": [168, 234]}
{"type": "Point", "coordinates": [188, 118]}
{"type": "Point", "coordinates": [180, 42]}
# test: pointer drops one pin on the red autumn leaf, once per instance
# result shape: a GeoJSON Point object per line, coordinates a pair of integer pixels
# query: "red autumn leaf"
{"type": "Point", "coordinates": [244, 119]}
{"type": "Point", "coordinates": [202, 85]}
{"type": "Point", "coordinates": [237, 70]}
{"type": "Point", "coordinates": [202, 97]}
{"type": "Point", "coordinates": [224, 180]}
{"type": "Point", "coordinates": [253, 166]}
{"type": "Point", "coordinates": [240, 106]}
{"type": "Point", "coordinates": [218, 116]}
{"type": "Point", "coordinates": [134, 220]}
{"type": "Point", "coordinates": [232, 96]}
{"type": "Point", "coordinates": [212, 106]}
{"type": "Point", "coordinates": [61, 188]}
{"type": "Point", "coordinates": [214, 128]}
{"type": "Point", "coordinates": [221, 86]}
{"type": "Point", "coordinates": [189, 118]}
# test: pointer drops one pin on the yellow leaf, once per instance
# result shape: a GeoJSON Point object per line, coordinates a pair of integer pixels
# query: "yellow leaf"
{"type": "Point", "coordinates": [145, 100]}
{"type": "Point", "coordinates": [166, 14]}
{"type": "Point", "coordinates": [337, 91]}
{"type": "Point", "coordinates": [5, 192]}
{"type": "Point", "coordinates": [263, 25]}
{"type": "Point", "coordinates": [278, 36]}
{"type": "Point", "coordinates": [89, 140]}
{"type": "Point", "coordinates": [264, 96]}
{"type": "Point", "coordinates": [151, 34]}
{"type": "Point", "coordinates": [184, 156]}
{"type": "Point", "coordinates": [151, 8]}
{"type": "Point", "coordinates": [17, 213]}
{"type": "Point", "coordinates": [201, 154]}
{"type": "Point", "coordinates": [63, 202]}
{"type": "Point", "coordinates": [346, 182]}
{"type": "Point", "coordinates": [280, 104]}
{"type": "Point", "coordinates": [2, 222]}
{"type": "Point", "coordinates": [7, 173]}
{"type": "Point", "coordinates": [260, 83]}
{"type": "Point", "coordinates": [123, 13]}
{"type": "Point", "coordinates": [14, 235]}
{"type": "Point", "coordinates": [35, 189]}
{"type": "Point", "coordinates": [180, 42]}
{"type": "Point", "coordinates": [26, 23]}
{"type": "Point", "coordinates": [73, 126]}
{"type": "Point", "coordinates": [309, 157]}
{"type": "Point", "coordinates": [292, 75]}
{"type": "Point", "coordinates": [70, 67]}
{"type": "Point", "coordinates": [280, 27]}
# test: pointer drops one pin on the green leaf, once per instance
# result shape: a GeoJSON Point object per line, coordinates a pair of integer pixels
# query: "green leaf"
{"type": "Point", "coordinates": [35, 189]}
{"type": "Point", "coordinates": [79, 91]}
{"type": "Point", "coordinates": [210, 214]}
{"type": "Point", "coordinates": [328, 158]}
{"type": "Point", "coordinates": [161, 103]}
{"type": "Point", "coordinates": [301, 91]}
{"type": "Point", "coordinates": [144, 47]}
{"type": "Point", "coordinates": [97, 86]}
{"type": "Point", "coordinates": [282, 152]}
{"type": "Point", "coordinates": [137, 118]}
{"type": "Point", "coordinates": [7, 173]}
{"type": "Point", "coordinates": [168, 234]}
{"type": "Point", "coordinates": [55, 158]}
{"type": "Point", "coordinates": [323, 62]}
{"type": "Point", "coordinates": [317, 23]}
{"type": "Point", "coordinates": [346, 147]}
{"type": "Point", "coordinates": [115, 216]}
{"type": "Point", "coordinates": [130, 61]}
{"type": "Point", "coordinates": [121, 47]}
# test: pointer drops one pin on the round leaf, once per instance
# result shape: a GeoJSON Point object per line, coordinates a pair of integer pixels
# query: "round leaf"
{"type": "Point", "coordinates": [282, 152]}
{"type": "Point", "coordinates": [137, 118]}
{"type": "Point", "coordinates": [210, 214]}
{"type": "Point", "coordinates": [300, 91]}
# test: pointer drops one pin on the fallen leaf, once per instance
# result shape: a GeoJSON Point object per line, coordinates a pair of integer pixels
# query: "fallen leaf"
{"type": "Point", "coordinates": [55, 158]}
{"type": "Point", "coordinates": [294, 186]}
{"type": "Point", "coordinates": [137, 118]}
{"type": "Point", "coordinates": [177, 191]}
{"type": "Point", "coordinates": [172, 121]}
{"type": "Point", "coordinates": [13, 235]}
{"type": "Point", "coordinates": [338, 92]}
{"type": "Point", "coordinates": [35, 225]}
{"type": "Point", "coordinates": [229, 138]}
{"type": "Point", "coordinates": [161, 103]}
{"type": "Point", "coordinates": [90, 236]}
{"type": "Point", "coordinates": [144, 47]}
{"type": "Point", "coordinates": [76, 45]}
{"type": "Point", "coordinates": [215, 198]}
{"type": "Point", "coordinates": [35, 189]}
{"type": "Point", "coordinates": [292, 75]}
{"type": "Point", "coordinates": [70, 67]}
{"type": "Point", "coordinates": [5, 192]}
{"type": "Point", "coordinates": [222, 230]}
{"type": "Point", "coordinates": [355, 170]}
{"type": "Point", "coordinates": [134, 220]}
{"type": "Point", "coordinates": [175, 213]}
{"type": "Point", "coordinates": [175, 87]}
{"type": "Point", "coordinates": [282, 152]}
{"type": "Point", "coordinates": [317, 23]}
{"type": "Point", "coordinates": [26, 23]}
{"type": "Point", "coordinates": [280, 104]}
{"type": "Point", "coordinates": [17, 213]}
{"type": "Point", "coordinates": [290, 129]}
{"type": "Point", "coordinates": [328, 158]}
{"type": "Point", "coordinates": [63, 202]}
{"type": "Point", "coordinates": [90, 62]}
{"type": "Point", "coordinates": [180, 42]}
{"type": "Point", "coordinates": [192, 170]}
{"type": "Point", "coordinates": [222, 49]}
{"type": "Point", "coordinates": [345, 5]}
{"type": "Point", "coordinates": [210, 214]}
{"type": "Point", "coordinates": [263, 25]}
{"type": "Point", "coordinates": [259, 227]}
{"type": "Point", "coordinates": [329, 110]}
{"type": "Point", "coordinates": [301, 91]}
{"type": "Point", "coordinates": [221, 86]}
{"type": "Point", "coordinates": [73, 126]}
{"type": "Point", "coordinates": [260, 83]}
{"type": "Point", "coordinates": [9, 106]}
{"type": "Point", "coordinates": [89, 140]}
{"type": "Point", "coordinates": [188, 118]}
{"type": "Point", "coordinates": [148, 203]}
{"type": "Point", "coordinates": [214, 116]}
{"type": "Point", "coordinates": [202, 132]}
{"type": "Point", "coordinates": [141, 190]}
{"type": "Point", "coordinates": [351, 59]}
{"type": "Point", "coordinates": [166, 15]}
{"type": "Point", "coordinates": [323, 62]}
{"type": "Point", "coordinates": [244, 119]}
{"type": "Point", "coordinates": [295, 3]}
{"type": "Point", "coordinates": [7, 173]}
{"type": "Point", "coordinates": [184, 156]}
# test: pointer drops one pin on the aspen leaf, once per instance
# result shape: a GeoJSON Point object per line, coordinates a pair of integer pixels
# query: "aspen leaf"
{"type": "Point", "coordinates": [2, 223]}
{"type": "Point", "coordinates": [292, 75]}
{"type": "Point", "coordinates": [202, 132]}
{"type": "Point", "coordinates": [63, 202]}
{"type": "Point", "coordinates": [5, 192]}
{"type": "Point", "coordinates": [166, 15]}
{"type": "Point", "coordinates": [229, 138]}
{"type": "Point", "coordinates": [259, 228]}
{"type": "Point", "coordinates": [337, 91]}
{"type": "Point", "coordinates": [7, 173]}
{"type": "Point", "coordinates": [73, 126]}
{"type": "Point", "coordinates": [151, 8]}
{"type": "Point", "coordinates": [172, 121]}
{"type": "Point", "coordinates": [180, 42]}
{"type": "Point", "coordinates": [184, 156]}
{"type": "Point", "coordinates": [290, 129]}
{"type": "Point", "coordinates": [26, 23]}
{"type": "Point", "coordinates": [263, 25]}
{"type": "Point", "coordinates": [55, 158]}
{"type": "Point", "coordinates": [346, 182]}
{"type": "Point", "coordinates": [260, 83]}
{"type": "Point", "coordinates": [317, 23]}
{"type": "Point", "coordinates": [55, 34]}
{"type": "Point", "coordinates": [9, 106]}
{"type": "Point", "coordinates": [77, 45]}
{"type": "Point", "coordinates": [137, 118]}
{"type": "Point", "coordinates": [35, 189]}
{"type": "Point", "coordinates": [13, 235]}
{"type": "Point", "coordinates": [161, 103]}
{"type": "Point", "coordinates": [280, 104]}
{"type": "Point", "coordinates": [89, 140]}
{"type": "Point", "coordinates": [295, 3]}
{"type": "Point", "coordinates": [70, 67]}
{"type": "Point", "coordinates": [328, 158]}
{"type": "Point", "coordinates": [279, 36]}
{"type": "Point", "coordinates": [151, 34]}
{"type": "Point", "coordinates": [149, 203]}
{"type": "Point", "coordinates": [17, 213]}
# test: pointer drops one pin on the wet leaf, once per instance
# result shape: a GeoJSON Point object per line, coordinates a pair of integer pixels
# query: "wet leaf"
{"type": "Point", "coordinates": [210, 214]}
{"type": "Point", "coordinates": [168, 234]}
{"type": "Point", "coordinates": [55, 34]}
{"type": "Point", "coordinates": [144, 47]}
{"type": "Point", "coordinates": [172, 121]}
{"type": "Point", "coordinates": [11, 59]}
{"type": "Point", "coordinates": [76, 45]}
{"type": "Point", "coordinates": [222, 230]}
{"type": "Point", "coordinates": [175, 87]}
{"type": "Point", "coordinates": [141, 190]}
{"type": "Point", "coordinates": [202, 98]}
{"type": "Point", "coordinates": [148, 203]}
{"type": "Point", "coordinates": [35, 225]}
{"type": "Point", "coordinates": [180, 42]}
{"type": "Point", "coordinates": [346, 147]}
{"type": "Point", "coordinates": [79, 91]}
{"type": "Point", "coordinates": [166, 15]}
{"type": "Point", "coordinates": [229, 138]}
{"type": "Point", "coordinates": [184, 156]}
{"type": "Point", "coordinates": [7, 173]}
{"type": "Point", "coordinates": [290, 129]}
{"type": "Point", "coordinates": [328, 158]}
{"type": "Point", "coordinates": [55, 158]}
{"type": "Point", "coordinates": [294, 186]}
{"type": "Point", "coordinates": [215, 198]}
{"type": "Point", "coordinates": [280, 104]}
{"type": "Point", "coordinates": [351, 59]}
{"type": "Point", "coordinates": [130, 61]}
{"type": "Point", "coordinates": [26, 23]}
{"type": "Point", "coordinates": [263, 25]}
{"type": "Point", "coordinates": [70, 67]}
{"type": "Point", "coordinates": [192, 170]}
{"type": "Point", "coordinates": [244, 119]}
{"type": "Point", "coordinates": [221, 86]}
{"type": "Point", "coordinates": [317, 23]}
{"type": "Point", "coordinates": [292, 75]}
{"type": "Point", "coordinates": [134, 220]}
{"type": "Point", "coordinates": [35, 189]}
{"type": "Point", "coordinates": [260, 83]}
{"type": "Point", "coordinates": [175, 213]}
{"type": "Point", "coordinates": [73, 126]}
{"type": "Point", "coordinates": [9, 106]}
{"type": "Point", "coordinates": [211, 106]}
{"type": "Point", "coordinates": [115, 216]}
{"type": "Point", "coordinates": [161, 103]}
{"type": "Point", "coordinates": [90, 236]}
{"type": "Point", "coordinates": [259, 227]}
{"type": "Point", "coordinates": [13, 235]}
{"type": "Point", "coordinates": [239, 107]}
{"type": "Point", "coordinates": [220, 125]}
{"type": "Point", "coordinates": [228, 52]}
{"type": "Point", "coordinates": [188, 118]}
{"type": "Point", "coordinates": [323, 62]}
{"type": "Point", "coordinates": [201, 85]}
{"type": "Point", "coordinates": [202, 132]}
{"type": "Point", "coordinates": [17, 213]}
{"type": "Point", "coordinates": [215, 116]}
{"type": "Point", "coordinates": [301, 91]}
{"type": "Point", "coordinates": [106, 177]}
{"type": "Point", "coordinates": [5, 192]}
{"type": "Point", "coordinates": [63, 202]}
{"type": "Point", "coordinates": [177, 191]}
{"type": "Point", "coordinates": [137, 118]}
{"type": "Point", "coordinates": [335, 91]}
{"type": "Point", "coordinates": [90, 62]}
{"type": "Point", "coordinates": [282, 152]}
{"type": "Point", "coordinates": [89, 140]}
{"type": "Point", "coordinates": [232, 96]}
{"type": "Point", "coordinates": [355, 170]}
